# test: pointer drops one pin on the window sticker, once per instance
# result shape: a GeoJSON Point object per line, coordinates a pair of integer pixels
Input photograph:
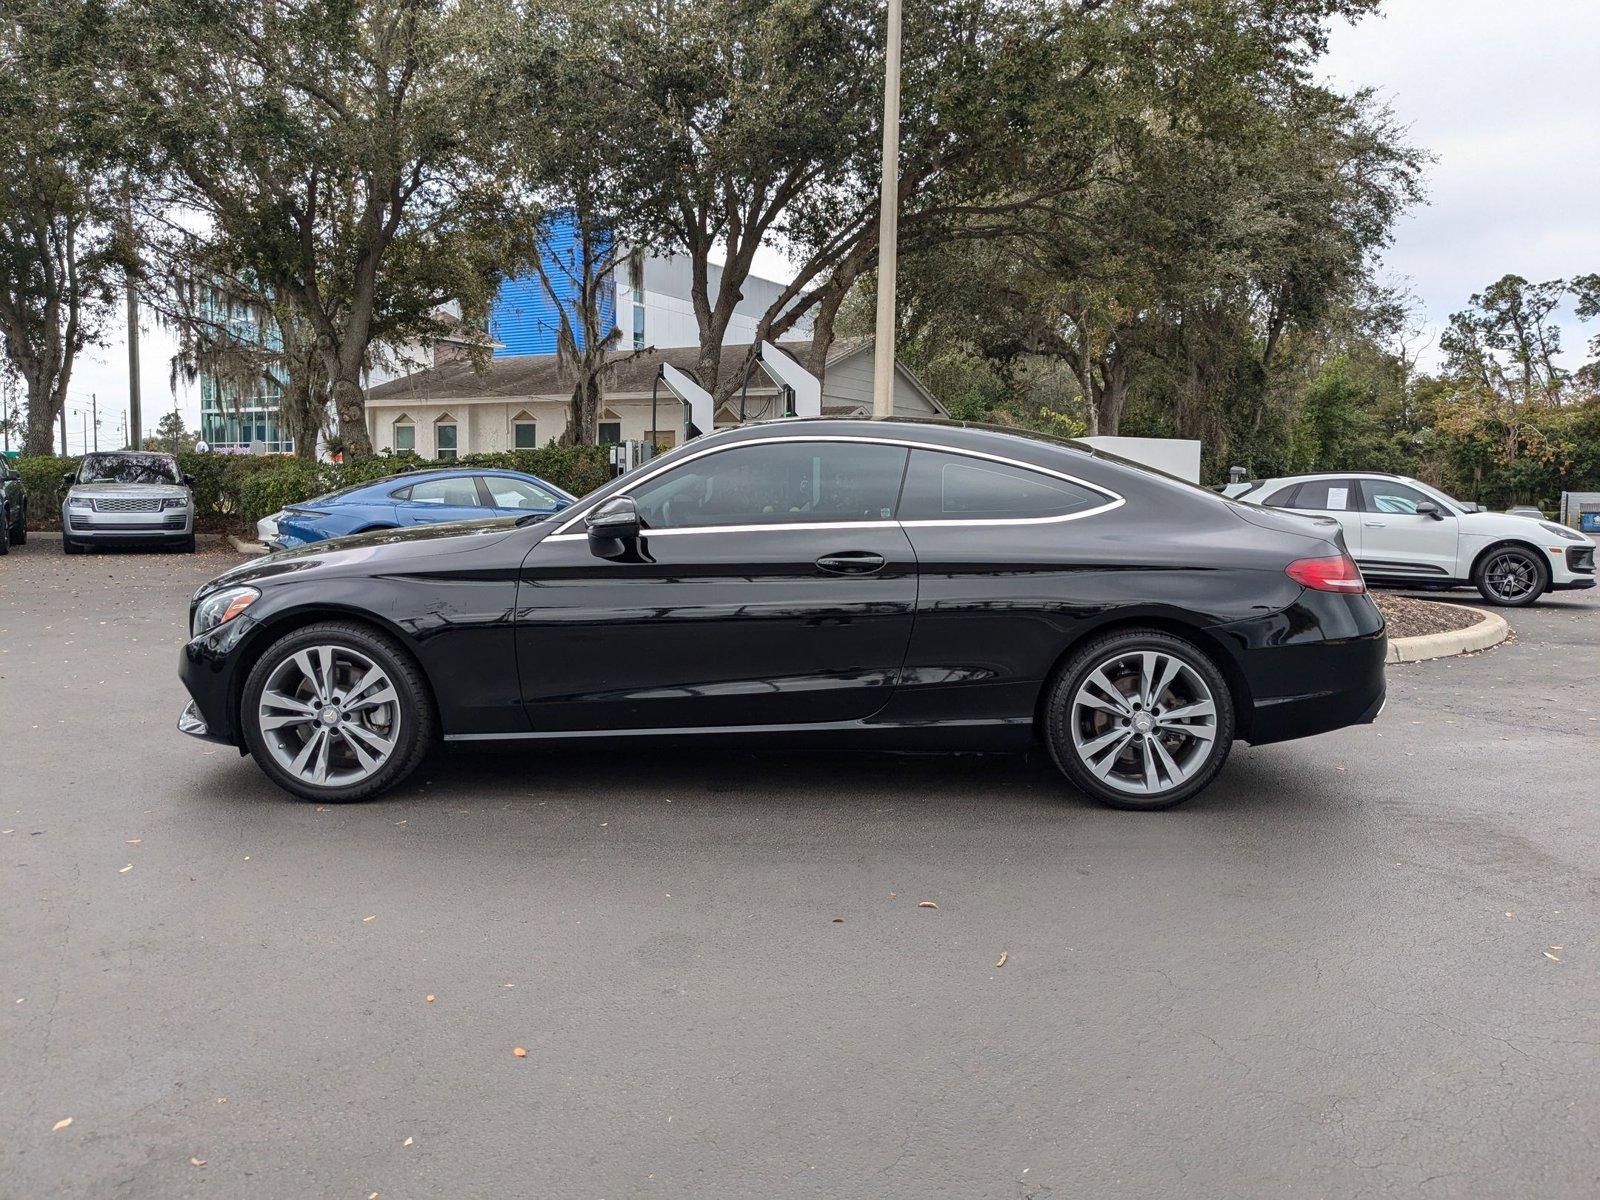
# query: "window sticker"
{"type": "Point", "coordinates": [1338, 499]}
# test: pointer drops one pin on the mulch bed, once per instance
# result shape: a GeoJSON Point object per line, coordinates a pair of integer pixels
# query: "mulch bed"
{"type": "Point", "coordinates": [1409, 617]}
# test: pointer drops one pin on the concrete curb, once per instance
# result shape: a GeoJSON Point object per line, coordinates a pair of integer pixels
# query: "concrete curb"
{"type": "Point", "coordinates": [1490, 630]}
{"type": "Point", "coordinates": [254, 549]}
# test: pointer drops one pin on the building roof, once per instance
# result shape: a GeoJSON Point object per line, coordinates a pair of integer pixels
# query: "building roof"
{"type": "Point", "coordinates": [541, 375]}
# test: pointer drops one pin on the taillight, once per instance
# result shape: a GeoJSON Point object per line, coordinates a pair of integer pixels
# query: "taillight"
{"type": "Point", "coordinates": [1335, 573]}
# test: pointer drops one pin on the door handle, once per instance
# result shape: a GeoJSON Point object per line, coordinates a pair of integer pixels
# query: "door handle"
{"type": "Point", "coordinates": [1377, 524]}
{"type": "Point", "coordinates": [851, 562]}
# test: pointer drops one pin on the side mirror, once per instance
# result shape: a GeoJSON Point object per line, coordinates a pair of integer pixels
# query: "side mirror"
{"type": "Point", "coordinates": [188, 480]}
{"type": "Point", "coordinates": [67, 478]}
{"type": "Point", "coordinates": [1427, 508]}
{"type": "Point", "coordinates": [614, 529]}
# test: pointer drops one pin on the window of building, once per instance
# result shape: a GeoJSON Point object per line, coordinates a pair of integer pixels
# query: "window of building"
{"type": "Point", "coordinates": [524, 432]}
{"type": "Point", "coordinates": [444, 439]}
{"type": "Point", "coordinates": [638, 326]}
{"type": "Point", "coordinates": [953, 487]}
{"type": "Point", "coordinates": [405, 436]}
{"type": "Point", "coordinates": [608, 433]}
{"type": "Point", "coordinates": [784, 483]}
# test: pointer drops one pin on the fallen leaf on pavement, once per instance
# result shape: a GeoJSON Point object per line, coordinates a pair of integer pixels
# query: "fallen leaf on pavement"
{"type": "Point", "coordinates": [430, 997]}
{"type": "Point", "coordinates": [373, 917]}
{"type": "Point", "coordinates": [1551, 957]}
{"type": "Point", "coordinates": [125, 870]}
{"type": "Point", "coordinates": [134, 841]}
{"type": "Point", "coordinates": [520, 1052]}
{"type": "Point", "coordinates": [926, 904]}
{"type": "Point", "coordinates": [407, 1142]}
{"type": "Point", "coordinates": [61, 1124]}
{"type": "Point", "coordinates": [1001, 961]}
{"type": "Point", "coordinates": [197, 1162]}
{"type": "Point", "coordinates": [838, 920]}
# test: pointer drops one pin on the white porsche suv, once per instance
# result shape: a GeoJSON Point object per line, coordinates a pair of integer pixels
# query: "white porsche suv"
{"type": "Point", "coordinates": [1403, 532]}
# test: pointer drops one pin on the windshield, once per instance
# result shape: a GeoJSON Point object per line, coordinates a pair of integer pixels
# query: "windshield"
{"type": "Point", "coordinates": [128, 468]}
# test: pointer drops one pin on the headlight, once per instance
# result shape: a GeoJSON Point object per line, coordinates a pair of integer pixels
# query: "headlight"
{"type": "Point", "coordinates": [221, 607]}
{"type": "Point", "coordinates": [175, 502]}
{"type": "Point", "coordinates": [1562, 531]}
{"type": "Point", "coordinates": [79, 502]}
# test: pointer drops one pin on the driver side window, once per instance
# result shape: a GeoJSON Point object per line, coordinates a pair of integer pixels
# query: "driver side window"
{"type": "Point", "coordinates": [777, 484]}
{"type": "Point", "coordinates": [1397, 499]}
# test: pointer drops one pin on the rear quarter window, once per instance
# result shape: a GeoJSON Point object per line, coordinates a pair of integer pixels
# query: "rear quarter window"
{"type": "Point", "coordinates": [956, 487]}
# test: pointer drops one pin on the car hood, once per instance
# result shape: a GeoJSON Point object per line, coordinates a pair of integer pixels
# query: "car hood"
{"type": "Point", "coordinates": [1499, 525]}
{"type": "Point", "coordinates": [129, 491]}
{"type": "Point", "coordinates": [376, 552]}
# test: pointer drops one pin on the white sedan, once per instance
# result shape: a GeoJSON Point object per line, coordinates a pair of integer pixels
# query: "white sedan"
{"type": "Point", "coordinates": [1403, 532]}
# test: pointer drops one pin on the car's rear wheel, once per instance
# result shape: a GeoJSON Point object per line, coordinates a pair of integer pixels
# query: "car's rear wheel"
{"type": "Point", "coordinates": [337, 711]}
{"type": "Point", "coordinates": [1511, 576]}
{"type": "Point", "coordinates": [1139, 719]}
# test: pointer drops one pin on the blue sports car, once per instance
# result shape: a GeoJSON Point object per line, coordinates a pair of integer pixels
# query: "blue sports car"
{"type": "Point", "coordinates": [414, 498]}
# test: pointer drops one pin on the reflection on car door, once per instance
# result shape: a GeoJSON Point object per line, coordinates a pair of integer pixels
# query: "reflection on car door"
{"type": "Point", "coordinates": [1398, 540]}
{"type": "Point", "coordinates": [435, 500]}
{"type": "Point", "coordinates": [774, 587]}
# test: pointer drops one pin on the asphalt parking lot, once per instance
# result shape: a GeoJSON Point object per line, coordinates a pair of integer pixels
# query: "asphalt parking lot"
{"type": "Point", "coordinates": [1361, 965]}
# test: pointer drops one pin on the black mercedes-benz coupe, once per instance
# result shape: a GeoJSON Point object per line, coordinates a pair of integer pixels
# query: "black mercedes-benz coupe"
{"type": "Point", "coordinates": [815, 583]}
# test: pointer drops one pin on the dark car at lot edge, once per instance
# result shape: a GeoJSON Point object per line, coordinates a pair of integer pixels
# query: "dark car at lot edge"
{"type": "Point", "coordinates": [830, 584]}
{"type": "Point", "coordinates": [13, 507]}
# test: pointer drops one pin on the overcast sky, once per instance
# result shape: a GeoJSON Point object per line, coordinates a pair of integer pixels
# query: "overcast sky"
{"type": "Point", "coordinates": [1506, 95]}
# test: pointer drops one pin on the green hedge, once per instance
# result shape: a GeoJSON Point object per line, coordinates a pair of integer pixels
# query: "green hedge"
{"type": "Point", "coordinates": [232, 491]}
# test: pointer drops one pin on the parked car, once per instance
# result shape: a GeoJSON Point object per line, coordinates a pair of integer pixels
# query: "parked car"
{"type": "Point", "coordinates": [13, 507]}
{"type": "Point", "coordinates": [821, 583]}
{"type": "Point", "coordinates": [127, 497]}
{"type": "Point", "coordinates": [1403, 532]}
{"type": "Point", "coordinates": [1526, 510]}
{"type": "Point", "coordinates": [413, 498]}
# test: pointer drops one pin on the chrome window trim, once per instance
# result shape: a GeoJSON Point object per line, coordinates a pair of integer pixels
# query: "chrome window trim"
{"type": "Point", "coordinates": [1113, 501]}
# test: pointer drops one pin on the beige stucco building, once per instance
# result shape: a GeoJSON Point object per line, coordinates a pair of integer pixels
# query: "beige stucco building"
{"type": "Point", "coordinates": [522, 402]}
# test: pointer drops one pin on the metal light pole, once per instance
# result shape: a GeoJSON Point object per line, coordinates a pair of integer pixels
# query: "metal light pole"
{"type": "Point", "coordinates": [63, 429]}
{"type": "Point", "coordinates": [888, 223]}
{"type": "Point", "coordinates": [133, 366]}
{"type": "Point", "coordinates": [94, 407]}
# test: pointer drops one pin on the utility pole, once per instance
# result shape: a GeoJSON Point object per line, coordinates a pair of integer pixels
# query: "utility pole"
{"type": "Point", "coordinates": [94, 407]}
{"type": "Point", "coordinates": [63, 429]}
{"type": "Point", "coordinates": [888, 223]}
{"type": "Point", "coordinates": [133, 365]}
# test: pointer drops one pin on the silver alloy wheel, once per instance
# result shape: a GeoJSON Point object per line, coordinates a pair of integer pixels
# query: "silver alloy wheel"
{"type": "Point", "coordinates": [1143, 721]}
{"type": "Point", "coordinates": [1510, 575]}
{"type": "Point", "coordinates": [329, 716]}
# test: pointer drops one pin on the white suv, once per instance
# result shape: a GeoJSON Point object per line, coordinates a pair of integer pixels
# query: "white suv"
{"type": "Point", "coordinates": [1401, 531]}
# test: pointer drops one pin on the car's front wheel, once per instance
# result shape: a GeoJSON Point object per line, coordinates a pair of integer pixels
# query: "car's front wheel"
{"type": "Point", "coordinates": [337, 711]}
{"type": "Point", "coordinates": [1511, 576]}
{"type": "Point", "coordinates": [1139, 719]}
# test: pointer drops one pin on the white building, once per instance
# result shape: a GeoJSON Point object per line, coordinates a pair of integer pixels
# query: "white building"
{"type": "Point", "coordinates": [523, 402]}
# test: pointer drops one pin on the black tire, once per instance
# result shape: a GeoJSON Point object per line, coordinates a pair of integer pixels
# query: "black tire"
{"type": "Point", "coordinates": [1199, 758]}
{"type": "Point", "coordinates": [186, 546]}
{"type": "Point", "coordinates": [1511, 576]}
{"type": "Point", "coordinates": [5, 540]}
{"type": "Point", "coordinates": [417, 725]}
{"type": "Point", "coordinates": [68, 546]}
{"type": "Point", "coordinates": [19, 535]}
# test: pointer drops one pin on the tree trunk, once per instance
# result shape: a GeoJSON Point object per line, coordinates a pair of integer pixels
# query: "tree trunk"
{"type": "Point", "coordinates": [349, 404]}
{"type": "Point", "coordinates": [39, 441]}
